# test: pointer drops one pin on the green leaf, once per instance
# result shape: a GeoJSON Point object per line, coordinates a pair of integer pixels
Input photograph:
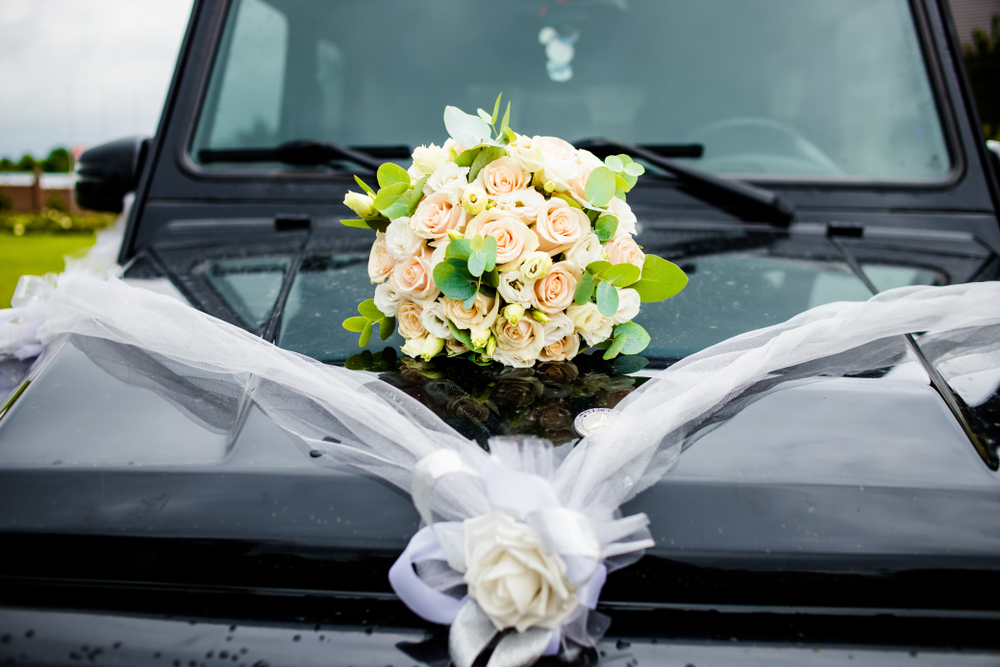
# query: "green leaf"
{"type": "Point", "coordinates": [355, 324]}
{"type": "Point", "coordinates": [492, 276]}
{"type": "Point", "coordinates": [616, 346]}
{"type": "Point", "coordinates": [366, 335]}
{"type": "Point", "coordinates": [660, 280]}
{"type": "Point", "coordinates": [364, 186]}
{"type": "Point", "coordinates": [496, 109]}
{"type": "Point", "coordinates": [614, 163]}
{"type": "Point", "coordinates": [379, 224]}
{"type": "Point", "coordinates": [606, 227]}
{"type": "Point", "coordinates": [569, 200]}
{"type": "Point", "coordinates": [636, 338]}
{"type": "Point", "coordinates": [455, 282]}
{"type": "Point", "coordinates": [485, 116]}
{"type": "Point", "coordinates": [626, 160]}
{"type": "Point", "coordinates": [634, 169]}
{"type": "Point", "coordinates": [359, 362]}
{"type": "Point", "coordinates": [593, 215]}
{"type": "Point", "coordinates": [467, 156]}
{"type": "Point", "coordinates": [358, 223]}
{"type": "Point", "coordinates": [620, 194]}
{"type": "Point", "coordinates": [487, 155]}
{"type": "Point", "coordinates": [464, 128]}
{"type": "Point", "coordinates": [386, 328]}
{"type": "Point", "coordinates": [508, 135]}
{"type": "Point", "coordinates": [388, 195]}
{"type": "Point", "coordinates": [477, 263]}
{"type": "Point", "coordinates": [629, 364]}
{"type": "Point", "coordinates": [630, 180]}
{"type": "Point", "coordinates": [621, 275]}
{"type": "Point", "coordinates": [476, 243]}
{"type": "Point", "coordinates": [398, 209]}
{"type": "Point", "coordinates": [459, 249]}
{"type": "Point", "coordinates": [621, 184]}
{"type": "Point", "coordinates": [600, 187]}
{"type": "Point", "coordinates": [467, 304]}
{"type": "Point", "coordinates": [368, 309]}
{"type": "Point", "coordinates": [599, 267]}
{"type": "Point", "coordinates": [584, 289]}
{"type": "Point", "coordinates": [416, 194]}
{"type": "Point", "coordinates": [607, 298]}
{"type": "Point", "coordinates": [490, 250]}
{"type": "Point", "coordinates": [461, 334]}
{"type": "Point", "coordinates": [506, 119]}
{"type": "Point", "coordinates": [391, 173]}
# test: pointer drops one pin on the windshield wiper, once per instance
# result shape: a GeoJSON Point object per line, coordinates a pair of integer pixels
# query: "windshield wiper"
{"type": "Point", "coordinates": [743, 200]}
{"type": "Point", "coordinates": [301, 153]}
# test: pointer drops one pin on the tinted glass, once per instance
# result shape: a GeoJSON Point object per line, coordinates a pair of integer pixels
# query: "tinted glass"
{"type": "Point", "coordinates": [833, 89]}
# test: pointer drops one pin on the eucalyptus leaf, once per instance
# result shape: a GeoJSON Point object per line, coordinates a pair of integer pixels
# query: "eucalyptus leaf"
{"type": "Point", "coordinates": [615, 348]}
{"type": "Point", "coordinates": [600, 187]}
{"type": "Point", "coordinates": [614, 163]}
{"type": "Point", "coordinates": [508, 135]}
{"type": "Point", "coordinates": [477, 263]}
{"type": "Point", "coordinates": [607, 298]}
{"type": "Point", "coordinates": [398, 209]}
{"type": "Point", "coordinates": [496, 109]}
{"type": "Point", "coordinates": [584, 289]}
{"type": "Point", "coordinates": [416, 194]}
{"type": "Point", "coordinates": [569, 200]}
{"type": "Point", "coordinates": [599, 267]}
{"type": "Point", "coordinates": [605, 227]}
{"type": "Point", "coordinates": [621, 184]}
{"type": "Point", "coordinates": [626, 160]}
{"type": "Point", "coordinates": [455, 282]}
{"type": "Point", "coordinates": [660, 280]}
{"type": "Point", "coordinates": [386, 328]}
{"type": "Point", "coordinates": [490, 250]}
{"type": "Point", "coordinates": [391, 173]}
{"type": "Point", "coordinates": [620, 194]}
{"type": "Point", "coordinates": [506, 120]}
{"type": "Point", "coordinates": [629, 364]}
{"type": "Point", "coordinates": [630, 180]}
{"type": "Point", "coordinates": [388, 195]}
{"type": "Point", "coordinates": [464, 128]}
{"type": "Point", "coordinates": [379, 224]}
{"type": "Point", "coordinates": [366, 335]}
{"type": "Point", "coordinates": [593, 215]}
{"type": "Point", "coordinates": [468, 303]}
{"type": "Point", "coordinates": [635, 169]}
{"type": "Point", "coordinates": [485, 116]}
{"type": "Point", "coordinates": [370, 311]}
{"type": "Point", "coordinates": [461, 334]}
{"type": "Point", "coordinates": [621, 275]}
{"type": "Point", "coordinates": [364, 186]}
{"type": "Point", "coordinates": [355, 324]}
{"type": "Point", "coordinates": [458, 249]}
{"type": "Point", "coordinates": [476, 243]}
{"type": "Point", "coordinates": [357, 222]}
{"type": "Point", "coordinates": [636, 338]}
{"type": "Point", "coordinates": [492, 276]}
{"type": "Point", "coordinates": [467, 156]}
{"type": "Point", "coordinates": [487, 155]}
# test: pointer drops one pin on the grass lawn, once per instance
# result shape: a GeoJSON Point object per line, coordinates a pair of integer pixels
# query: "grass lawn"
{"type": "Point", "coordinates": [34, 254]}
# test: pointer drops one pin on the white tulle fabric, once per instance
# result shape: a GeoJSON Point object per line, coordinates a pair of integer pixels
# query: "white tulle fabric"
{"type": "Point", "coordinates": [572, 504]}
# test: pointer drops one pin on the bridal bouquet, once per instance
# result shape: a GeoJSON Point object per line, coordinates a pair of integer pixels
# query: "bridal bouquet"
{"type": "Point", "coordinates": [506, 248]}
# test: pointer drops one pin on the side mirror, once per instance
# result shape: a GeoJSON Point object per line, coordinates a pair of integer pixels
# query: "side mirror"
{"type": "Point", "coordinates": [106, 172]}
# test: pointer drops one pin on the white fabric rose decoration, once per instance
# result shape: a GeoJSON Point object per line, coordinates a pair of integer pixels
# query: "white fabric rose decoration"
{"type": "Point", "coordinates": [512, 579]}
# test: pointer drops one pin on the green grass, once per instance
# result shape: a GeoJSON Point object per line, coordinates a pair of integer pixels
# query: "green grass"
{"type": "Point", "coordinates": [34, 254]}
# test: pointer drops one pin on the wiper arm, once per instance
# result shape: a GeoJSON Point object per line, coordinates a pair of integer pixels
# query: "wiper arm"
{"type": "Point", "coordinates": [746, 201]}
{"type": "Point", "coordinates": [302, 153]}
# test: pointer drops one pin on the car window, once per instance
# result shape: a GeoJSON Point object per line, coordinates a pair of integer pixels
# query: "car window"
{"type": "Point", "coordinates": [780, 87]}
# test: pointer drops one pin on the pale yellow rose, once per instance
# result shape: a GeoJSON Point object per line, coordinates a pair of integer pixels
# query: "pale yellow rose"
{"type": "Point", "coordinates": [413, 277]}
{"type": "Point", "coordinates": [554, 292]}
{"type": "Point", "coordinates": [563, 349]}
{"type": "Point", "coordinates": [559, 226]}
{"type": "Point", "coordinates": [514, 238]}
{"type": "Point", "coordinates": [380, 263]}
{"type": "Point", "coordinates": [481, 316]}
{"type": "Point", "coordinates": [438, 213]}
{"type": "Point", "coordinates": [454, 347]}
{"type": "Point", "coordinates": [502, 177]}
{"type": "Point", "coordinates": [623, 250]}
{"type": "Point", "coordinates": [408, 318]}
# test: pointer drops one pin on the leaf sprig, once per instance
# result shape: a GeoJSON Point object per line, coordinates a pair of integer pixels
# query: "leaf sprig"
{"type": "Point", "coordinates": [370, 316]}
{"type": "Point", "coordinates": [469, 266]}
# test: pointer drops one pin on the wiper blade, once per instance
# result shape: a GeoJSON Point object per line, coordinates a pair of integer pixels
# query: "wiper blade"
{"type": "Point", "coordinates": [746, 201]}
{"type": "Point", "coordinates": [302, 153]}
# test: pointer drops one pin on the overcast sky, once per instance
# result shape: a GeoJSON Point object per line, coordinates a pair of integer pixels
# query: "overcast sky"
{"type": "Point", "coordinates": [79, 72]}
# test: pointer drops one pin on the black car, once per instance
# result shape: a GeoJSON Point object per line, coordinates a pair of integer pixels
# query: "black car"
{"type": "Point", "coordinates": [797, 154]}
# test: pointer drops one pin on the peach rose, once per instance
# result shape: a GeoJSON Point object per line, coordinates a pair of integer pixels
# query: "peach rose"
{"type": "Point", "coordinates": [503, 176]}
{"type": "Point", "coordinates": [408, 316]}
{"type": "Point", "coordinates": [514, 238]}
{"type": "Point", "coordinates": [578, 184]}
{"type": "Point", "coordinates": [559, 226]}
{"type": "Point", "coordinates": [519, 344]}
{"type": "Point", "coordinates": [481, 316]}
{"type": "Point", "coordinates": [413, 277]}
{"type": "Point", "coordinates": [437, 214]}
{"type": "Point", "coordinates": [623, 250]}
{"type": "Point", "coordinates": [563, 349]}
{"type": "Point", "coordinates": [554, 292]}
{"type": "Point", "coordinates": [380, 263]}
{"type": "Point", "coordinates": [554, 147]}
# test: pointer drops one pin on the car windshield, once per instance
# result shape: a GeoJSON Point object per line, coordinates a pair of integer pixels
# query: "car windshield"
{"type": "Point", "coordinates": [776, 87]}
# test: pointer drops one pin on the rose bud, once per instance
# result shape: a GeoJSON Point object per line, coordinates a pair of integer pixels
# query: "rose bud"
{"type": "Point", "coordinates": [513, 313]}
{"type": "Point", "coordinates": [361, 204]}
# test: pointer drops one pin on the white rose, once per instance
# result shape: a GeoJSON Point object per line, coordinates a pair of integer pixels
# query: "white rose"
{"type": "Point", "coordinates": [511, 577]}
{"type": "Point", "coordinates": [380, 264]}
{"type": "Point", "coordinates": [449, 176]}
{"type": "Point", "coordinates": [526, 153]}
{"type": "Point", "coordinates": [626, 218]}
{"type": "Point", "coordinates": [585, 251]}
{"type": "Point", "coordinates": [589, 322]}
{"type": "Point", "coordinates": [401, 241]}
{"type": "Point", "coordinates": [558, 172]}
{"type": "Point", "coordinates": [515, 289]}
{"type": "Point", "coordinates": [361, 204]}
{"type": "Point", "coordinates": [558, 327]}
{"type": "Point", "coordinates": [387, 299]}
{"type": "Point", "coordinates": [428, 158]}
{"type": "Point", "coordinates": [628, 305]}
{"type": "Point", "coordinates": [526, 204]}
{"type": "Point", "coordinates": [435, 322]}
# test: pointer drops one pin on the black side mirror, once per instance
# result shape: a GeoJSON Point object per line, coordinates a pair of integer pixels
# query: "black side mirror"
{"type": "Point", "coordinates": [106, 172]}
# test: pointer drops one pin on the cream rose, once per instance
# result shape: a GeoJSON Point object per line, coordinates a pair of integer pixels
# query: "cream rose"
{"type": "Point", "coordinates": [626, 218]}
{"type": "Point", "coordinates": [449, 176]}
{"type": "Point", "coordinates": [387, 299]}
{"type": "Point", "coordinates": [585, 251]}
{"type": "Point", "coordinates": [435, 322]}
{"type": "Point", "coordinates": [526, 153]}
{"type": "Point", "coordinates": [559, 226]}
{"type": "Point", "coordinates": [628, 305]}
{"type": "Point", "coordinates": [558, 327]}
{"type": "Point", "coordinates": [554, 147]}
{"type": "Point", "coordinates": [408, 317]}
{"type": "Point", "coordinates": [519, 344]}
{"type": "Point", "coordinates": [380, 264]}
{"type": "Point", "coordinates": [454, 347]}
{"type": "Point", "coordinates": [525, 204]}
{"type": "Point", "coordinates": [502, 177]}
{"type": "Point", "coordinates": [514, 288]}
{"type": "Point", "coordinates": [512, 578]}
{"type": "Point", "coordinates": [590, 323]}
{"type": "Point", "coordinates": [623, 250]}
{"type": "Point", "coordinates": [413, 278]}
{"type": "Point", "coordinates": [554, 292]}
{"type": "Point", "coordinates": [563, 349]}
{"type": "Point", "coordinates": [428, 158]}
{"type": "Point", "coordinates": [482, 315]}
{"type": "Point", "coordinates": [437, 214]}
{"type": "Point", "coordinates": [514, 238]}
{"type": "Point", "coordinates": [401, 241]}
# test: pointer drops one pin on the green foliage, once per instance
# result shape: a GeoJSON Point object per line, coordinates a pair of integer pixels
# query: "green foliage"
{"type": "Point", "coordinates": [6, 203]}
{"type": "Point", "coordinates": [27, 163]}
{"type": "Point", "coordinates": [58, 161]}
{"type": "Point", "coordinates": [607, 298]}
{"type": "Point", "coordinates": [605, 227]}
{"type": "Point", "coordinates": [483, 158]}
{"type": "Point", "coordinates": [660, 280]}
{"type": "Point", "coordinates": [584, 289]}
{"type": "Point", "coordinates": [621, 275]}
{"type": "Point", "coordinates": [53, 221]}
{"type": "Point", "coordinates": [370, 316]}
{"type": "Point", "coordinates": [628, 338]}
{"type": "Point", "coordinates": [629, 364]}
{"type": "Point", "coordinates": [600, 187]}
{"type": "Point", "coordinates": [454, 280]}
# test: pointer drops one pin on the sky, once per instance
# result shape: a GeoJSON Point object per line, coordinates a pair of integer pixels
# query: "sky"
{"type": "Point", "coordinates": [81, 72]}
